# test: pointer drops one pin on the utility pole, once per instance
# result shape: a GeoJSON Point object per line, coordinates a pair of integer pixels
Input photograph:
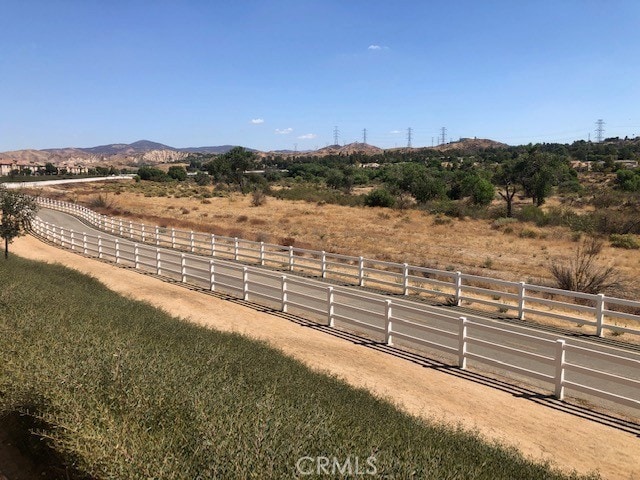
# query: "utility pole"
{"type": "Point", "coordinates": [443, 135]}
{"type": "Point", "coordinates": [364, 135]}
{"type": "Point", "coordinates": [599, 130]}
{"type": "Point", "coordinates": [409, 130]}
{"type": "Point", "coordinates": [432, 142]}
{"type": "Point", "coordinates": [336, 136]}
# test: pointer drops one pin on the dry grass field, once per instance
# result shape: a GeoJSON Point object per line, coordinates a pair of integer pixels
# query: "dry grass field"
{"type": "Point", "coordinates": [515, 251]}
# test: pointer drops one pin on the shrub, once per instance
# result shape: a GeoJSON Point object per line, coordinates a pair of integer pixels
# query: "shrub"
{"type": "Point", "coordinates": [583, 274]}
{"type": "Point", "coordinates": [380, 197]}
{"type": "Point", "coordinates": [501, 222]}
{"type": "Point", "coordinates": [532, 213]}
{"type": "Point", "coordinates": [177, 173]}
{"type": "Point", "coordinates": [627, 241]}
{"type": "Point", "coordinates": [153, 174]}
{"type": "Point", "coordinates": [258, 197]}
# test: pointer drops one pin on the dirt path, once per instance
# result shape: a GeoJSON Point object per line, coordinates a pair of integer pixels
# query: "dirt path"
{"type": "Point", "coordinates": [536, 428]}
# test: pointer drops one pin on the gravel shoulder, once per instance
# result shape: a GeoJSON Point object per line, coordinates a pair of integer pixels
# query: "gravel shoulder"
{"type": "Point", "coordinates": [570, 441]}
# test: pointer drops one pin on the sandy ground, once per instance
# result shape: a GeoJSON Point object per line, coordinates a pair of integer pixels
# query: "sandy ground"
{"type": "Point", "coordinates": [571, 438]}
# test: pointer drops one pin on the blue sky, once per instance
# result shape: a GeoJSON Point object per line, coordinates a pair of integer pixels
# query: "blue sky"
{"type": "Point", "coordinates": [276, 74]}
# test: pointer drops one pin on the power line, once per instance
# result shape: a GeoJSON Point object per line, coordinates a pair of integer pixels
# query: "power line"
{"type": "Point", "coordinates": [364, 135]}
{"type": "Point", "coordinates": [443, 135]}
{"type": "Point", "coordinates": [599, 130]}
{"type": "Point", "coordinates": [336, 135]}
{"type": "Point", "coordinates": [409, 130]}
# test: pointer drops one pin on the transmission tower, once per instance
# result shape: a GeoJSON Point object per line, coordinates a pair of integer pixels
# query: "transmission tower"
{"type": "Point", "coordinates": [443, 135]}
{"type": "Point", "coordinates": [364, 135]}
{"type": "Point", "coordinates": [409, 130]}
{"type": "Point", "coordinates": [599, 130]}
{"type": "Point", "coordinates": [336, 136]}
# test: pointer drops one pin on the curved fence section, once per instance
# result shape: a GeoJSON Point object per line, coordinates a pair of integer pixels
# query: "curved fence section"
{"type": "Point", "coordinates": [599, 313]}
{"type": "Point", "coordinates": [533, 356]}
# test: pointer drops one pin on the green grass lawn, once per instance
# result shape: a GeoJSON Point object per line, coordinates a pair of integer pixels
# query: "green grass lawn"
{"type": "Point", "coordinates": [125, 391]}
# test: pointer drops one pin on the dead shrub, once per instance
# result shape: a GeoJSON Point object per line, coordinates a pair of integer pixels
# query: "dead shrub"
{"type": "Point", "coordinates": [288, 241]}
{"type": "Point", "coordinates": [583, 273]}
{"type": "Point", "coordinates": [258, 197]}
{"type": "Point", "coordinates": [242, 219]}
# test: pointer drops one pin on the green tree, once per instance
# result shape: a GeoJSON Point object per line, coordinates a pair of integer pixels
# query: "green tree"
{"type": "Point", "coordinates": [507, 179]}
{"type": "Point", "coordinates": [17, 210]}
{"type": "Point", "coordinates": [152, 174]}
{"type": "Point", "coordinates": [50, 169]}
{"type": "Point", "coordinates": [230, 167]}
{"type": "Point", "coordinates": [177, 173]}
{"type": "Point", "coordinates": [379, 197]}
{"type": "Point", "coordinates": [480, 190]}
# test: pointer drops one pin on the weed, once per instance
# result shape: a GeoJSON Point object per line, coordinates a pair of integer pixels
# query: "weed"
{"type": "Point", "coordinates": [628, 241]}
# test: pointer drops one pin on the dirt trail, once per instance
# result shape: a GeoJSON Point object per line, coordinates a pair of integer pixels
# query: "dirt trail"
{"type": "Point", "coordinates": [539, 431]}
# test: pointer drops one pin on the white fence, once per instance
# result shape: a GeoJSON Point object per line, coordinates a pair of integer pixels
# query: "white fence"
{"type": "Point", "coordinates": [604, 373]}
{"type": "Point", "coordinates": [521, 299]}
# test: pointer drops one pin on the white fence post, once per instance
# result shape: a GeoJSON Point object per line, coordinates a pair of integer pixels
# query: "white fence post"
{"type": "Point", "coordinates": [84, 243]}
{"type": "Point", "coordinates": [192, 242]}
{"type": "Point", "coordinates": [462, 343]}
{"type": "Point", "coordinates": [73, 244]}
{"type": "Point", "coordinates": [600, 315]}
{"type": "Point", "coordinates": [291, 260]}
{"type": "Point", "coordinates": [521, 302]}
{"type": "Point", "coordinates": [284, 293]}
{"type": "Point", "coordinates": [158, 262]}
{"type": "Point", "coordinates": [130, 229]}
{"type": "Point", "coordinates": [136, 256]}
{"type": "Point", "coordinates": [323, 266]}
{"type": "Point", "coordinates": [117, 251]}
{"type": "Point", "coordinates": [235, 249]}
{"type": "Point", "coordinates": [213, 245]}
{"type": "Point", "coordinates": [560, 357]}
{"type": "Point", "coordinates": [261, 258]}
{"type": "Point", "coordinates": [120, 229]}
{"type": "Point", "coordinates": [157, 235]}
{"type": "Point", "coordinates": [361, 271]}
{"type": "Point", "coordinates": [183, 268]}
{"type": "Point", "coordinates": [99, 246]}
{"type": "Point", "coordinates": [245, 284]}
{"type": "Point", "coordinates": [458, 294]}
{"type": "Point", "coordinates": [388, 311]}
{"type": "Point", "coordinates": [173, 237]}
{"type": "Point", "coordinates": [212, 275]}
{"type": "Point", "coordinates": [143, 235]}
{"type": "Point", "coordinates": [405, 279]}
{"type": "Point", "coordinates": [61, 236]}
{"type": "Point", "coordinates": [330, 307]}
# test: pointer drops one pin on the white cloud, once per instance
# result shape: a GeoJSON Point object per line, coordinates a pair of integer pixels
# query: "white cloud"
{"type": "Point", "coordinates": [375, 47]}
{"type": "Point", "coordinates": [284, 131]}
{"type": "Point", "coordinates": [308, 136]}
{"type": "Point", "coordinates": [395, 132]}
{"type": "Point", "coordinates": [257, 121]}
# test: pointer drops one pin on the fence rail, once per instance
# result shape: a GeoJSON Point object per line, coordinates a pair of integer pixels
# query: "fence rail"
{"type": "Point", "coordinates": [601, 312]}
{"type": "Point", "coordinates": [393, 321]}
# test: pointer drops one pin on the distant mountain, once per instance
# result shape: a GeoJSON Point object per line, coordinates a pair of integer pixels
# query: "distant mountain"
{"type": "Point", "coordinates": [215, 150]}
{"type": "Point", "coordinates": [470, 145]}
{"type": "Point", "coordinates": [141, 146]}
{"type": "Point", "coordinates": [349, 149]}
